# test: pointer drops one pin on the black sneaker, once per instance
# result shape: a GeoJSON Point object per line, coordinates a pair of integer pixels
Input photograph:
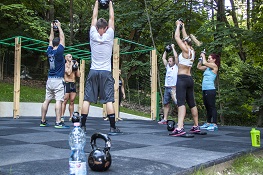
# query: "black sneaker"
{"type": "Point", "coordinates": [195, 129]}
{"type": "Point", "coordinates": [177, 132]}
{"type": "Point", "coordinates": [44, 124]}
{"type": "Point", "coordinates": [84, 129]}
{"type": "Point", "coordinates": [114, 131]}
{"type": "Point", "coordinates": [61, 125]}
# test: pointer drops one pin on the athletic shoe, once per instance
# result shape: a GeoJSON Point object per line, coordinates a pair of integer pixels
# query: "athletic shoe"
{"type": "Point", "coordinates": [61, 125]}
{"type": "Point", "coordinates": [44, 124]}
{"type": "Point", "coordinates": [204, 126]}
{"type": "Point", "coordinates": [195, 129]}
{"type": "Point", "coordinates": [63, 119]}
{"type": "Point", "coordinates": [105, 118]}
{"type": "Point", "coordinates": [177, 132]}
{"type": "Point", "coordinates": [70, 119]}
{"type": "Point", "coordinates": [114, 131]}
{"type": "Point", "coordinates": [84, 129]}
{"type": "Point", "coordinates": [120, 119]}
{"type": "Point", "coordinates": [212, 127]}
{"type": "Point", "coordinates": [163, 122]}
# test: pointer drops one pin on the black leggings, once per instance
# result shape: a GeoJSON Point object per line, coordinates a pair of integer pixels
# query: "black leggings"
{"type": "Point", "coordinates": [209, 98]}
{"type": "Point", "coordinates": [185, 91]}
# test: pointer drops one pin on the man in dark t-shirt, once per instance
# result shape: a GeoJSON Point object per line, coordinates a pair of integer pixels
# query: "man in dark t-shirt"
{"type": "Point", "coordinates": [54, 85]}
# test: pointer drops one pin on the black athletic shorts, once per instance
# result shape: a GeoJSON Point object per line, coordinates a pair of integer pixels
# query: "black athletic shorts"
{"type": "Point", "coordinates": [99, 85]}
{"type": "Point", "coordinates": [70, 87]}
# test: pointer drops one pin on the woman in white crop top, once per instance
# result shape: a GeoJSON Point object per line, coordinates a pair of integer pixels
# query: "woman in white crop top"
{"type": "Point", "coordinates": [185, 83]}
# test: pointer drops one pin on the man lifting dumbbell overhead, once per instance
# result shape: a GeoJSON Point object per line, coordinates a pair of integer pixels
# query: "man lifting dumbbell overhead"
{"type": "Point", "coordinates": [170, 80]}
{"type": "Point", "coordinates": [54, 85]}
{"type": "Point", "coordinates": [100, 82]}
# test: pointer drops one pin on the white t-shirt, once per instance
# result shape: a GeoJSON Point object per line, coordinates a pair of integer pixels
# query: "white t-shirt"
{"type": "Point", "coordinates": [171, 75]}
{"type": "Point", "coordinates": [101, 49]}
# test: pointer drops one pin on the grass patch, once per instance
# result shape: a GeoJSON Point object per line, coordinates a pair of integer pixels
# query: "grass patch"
{"type": "Point", "coordinates": [248, 164]}
{"type": "Point", "coordinates": [27, 94]}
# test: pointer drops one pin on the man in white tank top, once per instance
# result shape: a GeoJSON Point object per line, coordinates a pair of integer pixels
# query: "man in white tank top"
{"type": "Point", "coordinates": [171, 66]}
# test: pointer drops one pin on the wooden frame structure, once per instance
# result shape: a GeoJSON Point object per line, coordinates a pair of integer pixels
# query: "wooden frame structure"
{"type": "Point", "coordinates": [41, 46]}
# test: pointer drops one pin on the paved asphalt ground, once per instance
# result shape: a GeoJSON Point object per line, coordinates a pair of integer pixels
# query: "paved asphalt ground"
{"type": "Point", "coordinates": [143, 149]}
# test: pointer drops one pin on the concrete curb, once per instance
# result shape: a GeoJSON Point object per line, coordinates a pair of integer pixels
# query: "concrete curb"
{"type": "Point", "coordinates": [34, 109]}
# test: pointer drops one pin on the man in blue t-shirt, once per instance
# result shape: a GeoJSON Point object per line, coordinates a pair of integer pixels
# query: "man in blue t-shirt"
{"type": "Point", "coordinates": [100, 82]}
{"type": "Point", "coordinates": [54, 85]}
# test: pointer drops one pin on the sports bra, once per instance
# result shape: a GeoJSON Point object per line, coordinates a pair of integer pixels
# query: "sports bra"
{"type": "Point", "coordinates": [187, 61]}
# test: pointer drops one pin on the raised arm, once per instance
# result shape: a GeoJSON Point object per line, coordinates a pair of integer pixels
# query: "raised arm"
{"type": "Point", "coordinates": [61, 34]}
{"type": "Point", "coordinates": [183, 31]}
{"type": "Point", "coordinates": [176, 61]}
{"type": "Point", "coordinates": [95, 13]}
{"type": "Point", "coordinates": [164, 58]}
{"type": "Point", "coordinates": [200, 62]}
{"type": "Point", "coordinates": [111, 15]}
{"type": "Point", "coordinates": [212, 65]}
{"type": "Point", "coordinates": [51, 36]}
{"type": "Point", "coordinates": [178, 39]}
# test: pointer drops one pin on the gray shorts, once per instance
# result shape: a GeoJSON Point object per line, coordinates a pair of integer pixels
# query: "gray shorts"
{"type": "Point", "coordinates": [99, 84]}
{"type": "Point", "coordinates": [55, 89]}
{"type": "Point", "coordinates": [169, 94]}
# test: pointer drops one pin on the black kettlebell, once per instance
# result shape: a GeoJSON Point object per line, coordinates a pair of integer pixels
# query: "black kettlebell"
{"type": "Point", "coordinates": [168, 48]}
{"type": "Point", "coordinates": [74, 66]}
{"type": "Point", "coordinates": [104, 4]}
{"type": "Point", "coordinates": [181, 25]}
{"type": "Point", "coordinates": [100, 159]}
{"type": "Point", "coordinates": [170, 125]}
{"type": "Point", "coordinates": [55, 27]}
{"type": "Point", "coordinates": [75, 117]}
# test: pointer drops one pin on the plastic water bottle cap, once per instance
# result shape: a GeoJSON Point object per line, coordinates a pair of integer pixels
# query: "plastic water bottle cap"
{"type": "Point", "coordinates": [76, 124]}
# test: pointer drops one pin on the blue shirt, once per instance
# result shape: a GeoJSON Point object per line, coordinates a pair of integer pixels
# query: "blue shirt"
{"type": "Point", "coordinates": [56, 61]}
{"type": "Point", "coordinates": [208, 80]}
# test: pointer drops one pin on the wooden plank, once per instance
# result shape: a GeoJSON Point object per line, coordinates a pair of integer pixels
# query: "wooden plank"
{"type": "Point", "coordinates": [153, 84]}
{"type": "Point", "coordinates": [81, 84]}
{"type": "Point", "coordinates": [116, 63]}
{"type": "Point", "coordinates": [17, 69]}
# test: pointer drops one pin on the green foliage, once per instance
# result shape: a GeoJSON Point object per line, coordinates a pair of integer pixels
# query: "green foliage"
{"type": "Point", "coordinates": [24, 22]}
{"type": "Point", "coordinates": [240, 85]}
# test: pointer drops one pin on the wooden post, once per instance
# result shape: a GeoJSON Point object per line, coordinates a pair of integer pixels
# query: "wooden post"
{"type": "Point", "coordinates": [116, 75]}
{"type": "Point", "coordinates": [17, 69]}
{"type": "Point", "coordinates": [81, 84]}
{"type": "Point", "coordinates": [153, 84]}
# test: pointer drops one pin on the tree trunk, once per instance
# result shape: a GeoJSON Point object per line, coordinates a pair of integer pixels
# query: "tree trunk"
{"type": "Point", "coordinates": [260, 115]}
{"type": "Point", "coordinates": [2, 60]}
{"type": "Point", "coordinates": [71, 21]}
{"type": "Point", "coordinates": [220, 18]}
{"type": "Point", "coordinates": [241, 52]}
{"type": "Point", "coordinates": [51, 10]}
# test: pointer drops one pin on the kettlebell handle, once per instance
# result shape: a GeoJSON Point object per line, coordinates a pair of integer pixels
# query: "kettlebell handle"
{"type": "Point", "coordinates": [105, 137]}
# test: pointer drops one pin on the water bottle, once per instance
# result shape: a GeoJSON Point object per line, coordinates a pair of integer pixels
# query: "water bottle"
{"type": "Point", "coordinates": [77, 159]}
{"type": "Point", "coordinates": [255, 137]}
